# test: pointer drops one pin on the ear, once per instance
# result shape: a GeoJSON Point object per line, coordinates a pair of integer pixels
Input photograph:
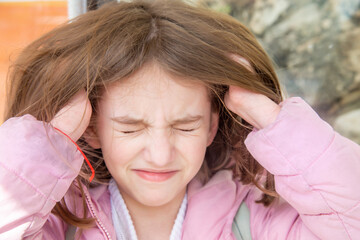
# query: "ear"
{"type": "Point", "coordinates": [214, 124]}
{"type": "Point", "coordinates": [91, 138]}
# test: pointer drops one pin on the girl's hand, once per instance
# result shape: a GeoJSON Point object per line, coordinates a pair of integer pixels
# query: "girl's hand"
{"type": "Point", "coordinates": [254, 108]}
{"type": "Point", "coordinates": [74, 118]}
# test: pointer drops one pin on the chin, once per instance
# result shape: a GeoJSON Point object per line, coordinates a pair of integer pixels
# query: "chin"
{"type": "Point", "coordinates": [156, 199]}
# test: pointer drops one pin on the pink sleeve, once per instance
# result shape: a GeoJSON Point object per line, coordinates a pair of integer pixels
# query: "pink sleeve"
{"type": "Point", "coordinates": [317, 174]}
{"type": "Point", "coordinates": [37, 166]}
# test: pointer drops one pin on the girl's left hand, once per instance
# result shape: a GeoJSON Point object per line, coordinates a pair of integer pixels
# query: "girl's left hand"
{"type": "Point", "coordinates": [254, 108]}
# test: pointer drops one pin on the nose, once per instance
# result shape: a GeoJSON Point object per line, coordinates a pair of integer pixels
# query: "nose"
{"type": "Point", "coordinates": [159, 148]}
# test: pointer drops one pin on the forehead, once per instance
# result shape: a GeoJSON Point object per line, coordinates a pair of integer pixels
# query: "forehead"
{"type": "Point", "coordinates": [153, 88]}
{"type": "Point", "coordinates": [153, 78]}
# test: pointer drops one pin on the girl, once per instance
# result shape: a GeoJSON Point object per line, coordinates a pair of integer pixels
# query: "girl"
{"type": "Point", "coordinates": [183, 130]}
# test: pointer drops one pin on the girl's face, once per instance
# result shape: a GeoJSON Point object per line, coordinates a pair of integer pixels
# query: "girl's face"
{"type": "Point", "coordinates": [153, 132]}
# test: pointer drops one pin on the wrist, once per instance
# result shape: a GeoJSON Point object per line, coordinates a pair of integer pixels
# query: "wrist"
{"type": "Point", "coordinates": [82, 153]}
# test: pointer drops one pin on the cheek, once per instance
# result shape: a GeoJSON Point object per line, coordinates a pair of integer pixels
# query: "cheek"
{"type": "Point", "coordinates": [193, 149]}
{"type": "Point", "coordinates": [120, 152]}
{"type": "Point", "coordinates": [117, 152]}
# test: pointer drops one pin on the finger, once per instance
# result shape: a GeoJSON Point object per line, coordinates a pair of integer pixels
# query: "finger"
{"type": "Point", "coordinates": [242, 61]}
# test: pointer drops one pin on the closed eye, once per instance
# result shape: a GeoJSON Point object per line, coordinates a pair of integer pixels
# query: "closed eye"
{"type": "Point", "coordinates": [185, 130]}
{"type": "Point", "coordinates": [130, 132]}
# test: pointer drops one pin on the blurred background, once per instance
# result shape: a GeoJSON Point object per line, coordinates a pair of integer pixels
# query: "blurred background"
{"type": "Point", "coordinates": [315, 45]}
{"type": "Point", "coordinates": [21, 22]}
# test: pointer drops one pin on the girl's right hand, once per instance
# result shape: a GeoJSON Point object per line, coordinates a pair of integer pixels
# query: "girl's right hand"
{"type": "Point", "coordinates": [74, 118]}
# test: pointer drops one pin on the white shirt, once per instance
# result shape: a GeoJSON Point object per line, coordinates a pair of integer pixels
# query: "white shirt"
{"type": "Point", "coordinates": [123, 224]}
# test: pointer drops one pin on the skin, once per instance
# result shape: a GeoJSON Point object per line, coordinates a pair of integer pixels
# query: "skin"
{"type": "Point", "coordinates": [153, 122]}
{"type": "Point", "coordinates": [74, 118]}
{"type": "Point", "coordinates": [157, 141]}
{"type": "Point", "coordinates": [255, 108]}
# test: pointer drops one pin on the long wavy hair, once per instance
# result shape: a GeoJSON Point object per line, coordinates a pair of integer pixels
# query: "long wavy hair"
{"type": "Point", "coordinates": [113, 42]}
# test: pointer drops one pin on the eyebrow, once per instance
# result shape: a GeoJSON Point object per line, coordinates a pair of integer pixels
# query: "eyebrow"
{"type": "Point", "coordinates": [187, 119]}
{"type": "Point", "coordinates": [135, 121]}
{"type": "Point", "coordinates": [127, 120]}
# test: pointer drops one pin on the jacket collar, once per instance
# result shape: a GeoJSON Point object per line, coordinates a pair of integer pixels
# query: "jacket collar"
{"type": "Point", "coordinates": [210, 211]}
{"type": "Point", "coordinates": [213, 206]}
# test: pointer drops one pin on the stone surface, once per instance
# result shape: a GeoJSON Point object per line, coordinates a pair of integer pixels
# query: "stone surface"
{"type": "Point", "coordinates": [315, 45]}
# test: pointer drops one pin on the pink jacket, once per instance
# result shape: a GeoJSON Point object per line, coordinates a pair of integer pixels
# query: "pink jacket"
{"type": "Point", "coordinates": [317, 174]}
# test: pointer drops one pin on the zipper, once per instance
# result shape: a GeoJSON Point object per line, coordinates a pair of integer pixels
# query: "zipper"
{"type": "Point", "coordinates": [93, 214]}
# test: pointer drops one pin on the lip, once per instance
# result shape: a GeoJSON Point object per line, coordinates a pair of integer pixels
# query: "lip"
{"type": "Point", "coordinates": [155, 175]}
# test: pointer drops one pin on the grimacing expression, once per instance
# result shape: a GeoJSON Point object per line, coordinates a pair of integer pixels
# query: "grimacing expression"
{"type": "Point", "coordinates": [153, 130]}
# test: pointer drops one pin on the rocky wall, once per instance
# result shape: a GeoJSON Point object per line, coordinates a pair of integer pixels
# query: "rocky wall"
{"type": "Point", "coordinates": [315, 46]}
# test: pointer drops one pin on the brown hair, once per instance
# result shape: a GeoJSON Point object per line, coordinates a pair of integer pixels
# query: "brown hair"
{"type": "Point", "coordinates": [113, 42]}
